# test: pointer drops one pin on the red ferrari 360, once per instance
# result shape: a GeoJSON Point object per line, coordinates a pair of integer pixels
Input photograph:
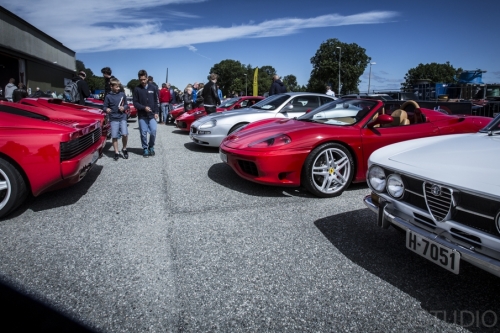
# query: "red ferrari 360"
{"type": "Point", "coordinates": [185, 120]}
{"type": "Point", "coordinates": [328, 148]}
{"type": "Point", "coordinates": [43, 150]}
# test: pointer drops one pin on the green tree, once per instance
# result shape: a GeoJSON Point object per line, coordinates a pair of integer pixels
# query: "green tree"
{"type": "Point", "coordinates": [264, 79]}
{"type": "Point", "coordinates": [290, 82]}
{"type": "Point", "coordinates": [433, 72]}
{"type": "Point", "coordinates": [231, 76]}
{"type": "Point", "coordinates": [353, 62]}
{"type": "Point", "coordinates": [133, 83]}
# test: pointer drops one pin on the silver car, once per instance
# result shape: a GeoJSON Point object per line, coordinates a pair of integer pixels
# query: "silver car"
{"type": "Point", "coordinates": [212, 129]}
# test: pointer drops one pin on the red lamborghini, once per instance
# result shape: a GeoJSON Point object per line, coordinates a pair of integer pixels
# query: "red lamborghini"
{"type": "Point", "coordinates": [328, 148]}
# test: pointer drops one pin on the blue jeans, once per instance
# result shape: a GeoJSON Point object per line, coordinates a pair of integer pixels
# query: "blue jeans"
{"type": "Point", "coordinates": [147, 125]}
{"type": "Point", "coordinates": [164, 111]}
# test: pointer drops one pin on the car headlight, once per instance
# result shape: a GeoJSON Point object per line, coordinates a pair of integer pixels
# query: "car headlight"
{"type": "Point", "coordinates": [209, 124]}
{"type": "Point", "coordinates": [376, 177]}
{"type": "Point", "coordinates": [395, 186]}
{"type": "Point", "coordinates": [275, 141]}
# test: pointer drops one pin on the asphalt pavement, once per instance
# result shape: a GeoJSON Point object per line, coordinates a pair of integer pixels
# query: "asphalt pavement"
{"type": "Point", "coordinates": [179, 243]}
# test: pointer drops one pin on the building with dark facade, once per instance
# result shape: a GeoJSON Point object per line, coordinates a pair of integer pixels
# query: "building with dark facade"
{"type": "Point", "coordinates": [29, 55]}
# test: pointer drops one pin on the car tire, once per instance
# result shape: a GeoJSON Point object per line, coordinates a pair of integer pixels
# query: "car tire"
{"type": "Point", "coordinates": [13, 189]}
{"type": "Point", "coordinates": [328, 170]}
{"type": "Point", "coordinates": [235, 127]}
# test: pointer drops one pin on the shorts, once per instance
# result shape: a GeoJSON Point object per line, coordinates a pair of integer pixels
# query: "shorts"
{"type": "Point", "coordinates": [118, 128]}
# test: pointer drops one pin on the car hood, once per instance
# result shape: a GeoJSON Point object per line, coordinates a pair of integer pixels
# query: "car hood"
{"type": "Point", "coordinates": [466, 161]}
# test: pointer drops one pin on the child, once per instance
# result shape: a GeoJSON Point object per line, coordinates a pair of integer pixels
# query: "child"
{"type": "Point", "coordinates": [116, 106]}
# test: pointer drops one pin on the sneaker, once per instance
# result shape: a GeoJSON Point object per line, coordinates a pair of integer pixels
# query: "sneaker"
{"type": "Point", "coordinates": [152, 151]}
{"type": "Point", "coordinates": [117, 156]}
{"type": "Point", "coordinates": [146, 153]}
{"type": "Point", "coordinates": [125, 153]}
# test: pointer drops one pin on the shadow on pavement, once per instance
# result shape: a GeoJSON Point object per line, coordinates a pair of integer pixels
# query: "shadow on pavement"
{"type": "Point", "coordinates": [21, 313]}
{"type": "Point", "coordinates": [201, 149]}
{"type": "Point", "coordinates": [66, 196]}
{"type": "Point", "coordinates": [469, 299]}
{"type": "Point", "coordinates": [222, 174]}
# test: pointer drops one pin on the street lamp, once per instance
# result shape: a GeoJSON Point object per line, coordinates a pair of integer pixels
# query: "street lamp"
{"type": "Point", "coordinates": [246, 87]}
{"type": "Point", "coordinates": [370, 75]}
{"type": "Point", "coordinates": [340, 58]}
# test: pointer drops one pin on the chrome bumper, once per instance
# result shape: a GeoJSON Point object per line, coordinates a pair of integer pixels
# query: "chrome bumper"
{"type": "Point", "coordinates": [402, 220]}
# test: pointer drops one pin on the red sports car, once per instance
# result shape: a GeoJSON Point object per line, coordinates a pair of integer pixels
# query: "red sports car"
{"type": "Point", "coordinates": [70, 108]}
{"type": "Point", "coordinates": [42, 150]}
{"type": "Point", "coordinates": [178, 110]}
{"type": "Point", "coordinates": [185, 120]}
{"type": "Point", "coordinates": [328, 148]}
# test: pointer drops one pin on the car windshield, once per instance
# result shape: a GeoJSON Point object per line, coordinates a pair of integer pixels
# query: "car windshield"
{"type": "Point", "coordinates": [229, 103]}
{"type": "Point", "coordinates": [343, 112]}
{"type": "Point", "coordinates": [493, 126]}
{"type": "Point", "coordinates": [271, 103]}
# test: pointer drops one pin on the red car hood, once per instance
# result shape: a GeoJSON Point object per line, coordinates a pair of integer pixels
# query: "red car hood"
{"type": "Point", "coordinates": [303, 134]}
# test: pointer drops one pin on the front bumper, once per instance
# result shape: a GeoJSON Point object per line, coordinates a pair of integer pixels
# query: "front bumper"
{"type": "Point", "coordinates": [276, 167]}
{"type": "Point", "coordinates": [389, 214]}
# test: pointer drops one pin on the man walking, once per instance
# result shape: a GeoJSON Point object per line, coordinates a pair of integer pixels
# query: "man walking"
{"type": "Point", "coordinates": [9, 89]}
{"type": "Point", "coordinates": [146, 102]}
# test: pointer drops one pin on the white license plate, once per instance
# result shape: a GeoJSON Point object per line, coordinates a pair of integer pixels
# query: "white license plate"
{"type": "Point", "coordinates": [223, 156]}
{"type": "Point", "coordinates": [432, 251]}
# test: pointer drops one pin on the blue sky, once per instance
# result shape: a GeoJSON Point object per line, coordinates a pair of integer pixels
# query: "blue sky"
{"type": "Point", "coordinates": [189, 36]}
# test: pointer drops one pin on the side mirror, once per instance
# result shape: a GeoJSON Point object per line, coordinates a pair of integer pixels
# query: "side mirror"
{"type": "Point", "coordinates": [286, 108]}
{"type": "Point", "coordinates": [383, 119]}
{"type": "Point", "coordinates": [237, 106]}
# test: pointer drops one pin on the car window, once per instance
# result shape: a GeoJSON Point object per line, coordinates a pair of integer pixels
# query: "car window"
{"type": "Point", "coordinates": [229, 102]}
{"type": "Point", "coordinates": [272, 102]}
{"type": "Point", "coordinates": [304, 103]}
{"type": "Point", "coordinates": [325, 99]}
{"type": "Point", "coordinates": [340, 112]}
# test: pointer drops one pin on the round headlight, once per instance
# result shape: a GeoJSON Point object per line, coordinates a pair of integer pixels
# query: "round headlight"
{"type": "Point", "coordinates": [395, 186]}
{"type": "Point", "coordinates": [376, 177]}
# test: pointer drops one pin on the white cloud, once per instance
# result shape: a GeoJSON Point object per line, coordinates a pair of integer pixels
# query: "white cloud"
{"type": "Point", "coordinates": [104, 26]}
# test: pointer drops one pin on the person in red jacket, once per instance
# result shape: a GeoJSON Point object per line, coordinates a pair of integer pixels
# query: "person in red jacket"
{"type": "Point", "coordinates": [164, 103]}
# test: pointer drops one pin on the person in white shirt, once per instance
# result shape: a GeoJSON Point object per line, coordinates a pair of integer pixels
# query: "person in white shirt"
{"type": "Point", "coordinates": [329, 91]}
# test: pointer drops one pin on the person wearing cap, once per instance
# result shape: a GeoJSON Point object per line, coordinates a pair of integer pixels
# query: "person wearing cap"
{"type": "Point", "coordinates": [83, 88]}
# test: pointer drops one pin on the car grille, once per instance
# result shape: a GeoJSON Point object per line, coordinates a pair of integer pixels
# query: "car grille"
{"type": "Point", "coordinates": [194, 130]}
{"type": "Point", "coordinates": [439, 201]}
{"type": "Point", "coordinates": [469, 209]}
{"type": "Point", "coordinates": [75, 147]}
{"type": "Point", "coordinates": [248, 167]}
{"type": "Point", "coordinates": [181, 124]}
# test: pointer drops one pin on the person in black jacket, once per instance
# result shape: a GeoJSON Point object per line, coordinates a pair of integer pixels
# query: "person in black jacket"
{"type": "Point", "coordinates": [19, 93]}
{"type": "Point", "coordinates": [277, 87]}
{"type": "Point", "coordinates": [210, 95]}
{"type": "Point", "coordinates": [146, 102]}
{"type": "Point", "coordinates": [106, 73]}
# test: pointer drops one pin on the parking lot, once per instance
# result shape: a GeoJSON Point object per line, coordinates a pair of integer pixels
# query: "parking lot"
{"type": "Point", "coordinates": [179, 243]}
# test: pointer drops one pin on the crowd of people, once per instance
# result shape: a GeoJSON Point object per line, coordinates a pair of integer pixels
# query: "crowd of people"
{"type": "Point", "coordinates": [152, 103]}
